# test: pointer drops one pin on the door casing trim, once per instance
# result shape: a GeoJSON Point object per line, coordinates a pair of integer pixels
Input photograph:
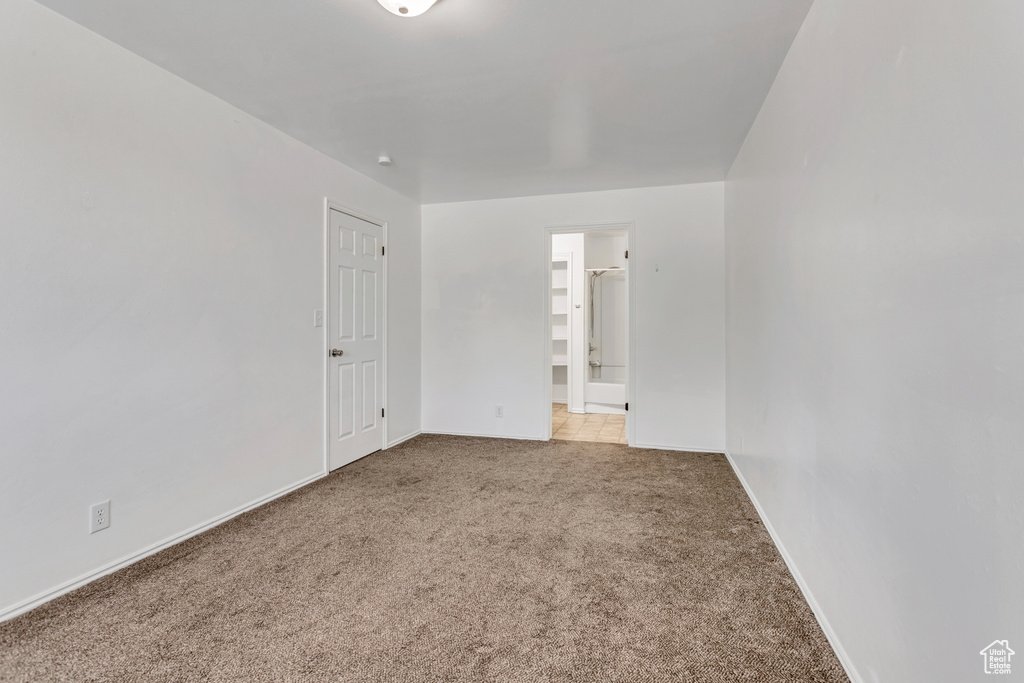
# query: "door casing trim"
{"type": "Point", "coordinates": [630, 229]}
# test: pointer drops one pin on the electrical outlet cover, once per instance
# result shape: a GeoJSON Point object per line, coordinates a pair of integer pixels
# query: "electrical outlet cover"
{"type": "Point", "coordinates": [99, 516]}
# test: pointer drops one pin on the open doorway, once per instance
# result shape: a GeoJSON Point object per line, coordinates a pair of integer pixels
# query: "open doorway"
{"type": "Point", "coordinates": [589, 333]}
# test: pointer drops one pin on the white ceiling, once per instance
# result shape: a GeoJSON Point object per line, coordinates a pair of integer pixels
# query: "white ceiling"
{"type": "Point", "coordinates": [478, 99]}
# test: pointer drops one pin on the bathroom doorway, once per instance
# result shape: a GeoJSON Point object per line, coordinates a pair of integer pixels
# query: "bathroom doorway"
{"type": "Point", "coordinates": [589, 332]}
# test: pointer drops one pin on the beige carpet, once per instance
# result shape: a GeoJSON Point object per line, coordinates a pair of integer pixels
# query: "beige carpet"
{"type": "Point", "coordinates": [454, 559]}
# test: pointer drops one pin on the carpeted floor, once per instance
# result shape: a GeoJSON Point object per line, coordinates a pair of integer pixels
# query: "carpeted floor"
{"type": "Point", "coordinates": [454, 559]}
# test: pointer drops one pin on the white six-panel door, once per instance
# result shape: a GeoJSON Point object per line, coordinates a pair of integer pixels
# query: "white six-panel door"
{"type": "Point", "coordinates": [355, 300]}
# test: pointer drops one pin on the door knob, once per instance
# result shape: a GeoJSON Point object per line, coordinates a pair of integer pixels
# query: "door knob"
{"type": "Point", "coordinates": [337, 352]}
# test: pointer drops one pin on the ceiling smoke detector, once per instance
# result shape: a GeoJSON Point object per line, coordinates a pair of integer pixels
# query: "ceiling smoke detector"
{"type": "Point", "coordinates": [384, 160]}
{"type": "Point", "coordinates": [407, 8]}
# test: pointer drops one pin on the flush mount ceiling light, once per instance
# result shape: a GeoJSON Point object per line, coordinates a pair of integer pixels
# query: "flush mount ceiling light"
{"type": "Point", "coordinates": [407, 8]}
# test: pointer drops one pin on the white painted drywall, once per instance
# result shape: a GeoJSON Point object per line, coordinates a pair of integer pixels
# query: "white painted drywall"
{"type": "Point", "coordinates": [605, 250]}
{"type": "Point", "coordinates": [483, 311]}
{"type": "Point", "coordinates": [876, 327]}
{"type": "Point", "coordinates": [161, 255]}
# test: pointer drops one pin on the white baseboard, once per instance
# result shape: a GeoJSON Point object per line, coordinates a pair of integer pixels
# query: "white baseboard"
{"type": "Point", "coordinates": [403, 439]}
{"type": "Point", "coordinates": [688, 449]}
{"type": "Point", "coordinates": [830, 635]}
{"type": "Point", "coordinates": [490, 436]}
{"type": "Point", "coordinates": [68, 586]}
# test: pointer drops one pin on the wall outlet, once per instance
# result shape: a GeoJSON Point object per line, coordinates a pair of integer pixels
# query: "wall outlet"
{"type": "Point", "coordinates": [99, 516]}
{"type": "Point", "coordinates": [318, 318]}
{"type": "Point", "coordinates": [499, 411]}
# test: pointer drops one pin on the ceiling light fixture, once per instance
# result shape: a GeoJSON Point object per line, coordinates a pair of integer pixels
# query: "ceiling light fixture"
{"type": "Point", "coordinates": [407, 8]}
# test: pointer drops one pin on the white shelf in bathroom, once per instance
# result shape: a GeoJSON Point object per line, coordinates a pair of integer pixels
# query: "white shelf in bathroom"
{"type": "Point", "coordinates": [559, 275]}
{"type": "Point", "coordinates": [560, 305]}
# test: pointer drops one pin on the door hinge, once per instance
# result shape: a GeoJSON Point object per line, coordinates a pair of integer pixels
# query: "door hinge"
{"type": "Point", "coordinates": [627, 407]}
{"type": "Point", "coordinates": [627, 253]}
{"type": "Point", "coordinates": [382, 250]}
{"type": "Point", "coordinates": [382, 412]}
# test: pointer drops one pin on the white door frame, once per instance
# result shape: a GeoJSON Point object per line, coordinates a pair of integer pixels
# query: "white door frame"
{"type": "Point", "coordinates": [328, 205]}
{"type": "Point", "coordinates": [630, 229]}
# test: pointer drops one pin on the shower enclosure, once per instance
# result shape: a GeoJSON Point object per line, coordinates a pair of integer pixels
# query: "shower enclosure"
{"type": "Point", "coordinates": [606, 329]}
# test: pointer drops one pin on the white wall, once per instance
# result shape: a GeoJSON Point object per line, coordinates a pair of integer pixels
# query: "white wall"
{"type": "Point", "coordinates": [161, 254]}
{"type": "Point", "coordinates": [483, 317]}
{"type": "Point", "coordinates": [876, 324]}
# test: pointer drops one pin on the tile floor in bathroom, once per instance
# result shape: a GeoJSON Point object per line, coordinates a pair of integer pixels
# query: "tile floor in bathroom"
{"type": "Point", "coordinates": [588, 427]}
